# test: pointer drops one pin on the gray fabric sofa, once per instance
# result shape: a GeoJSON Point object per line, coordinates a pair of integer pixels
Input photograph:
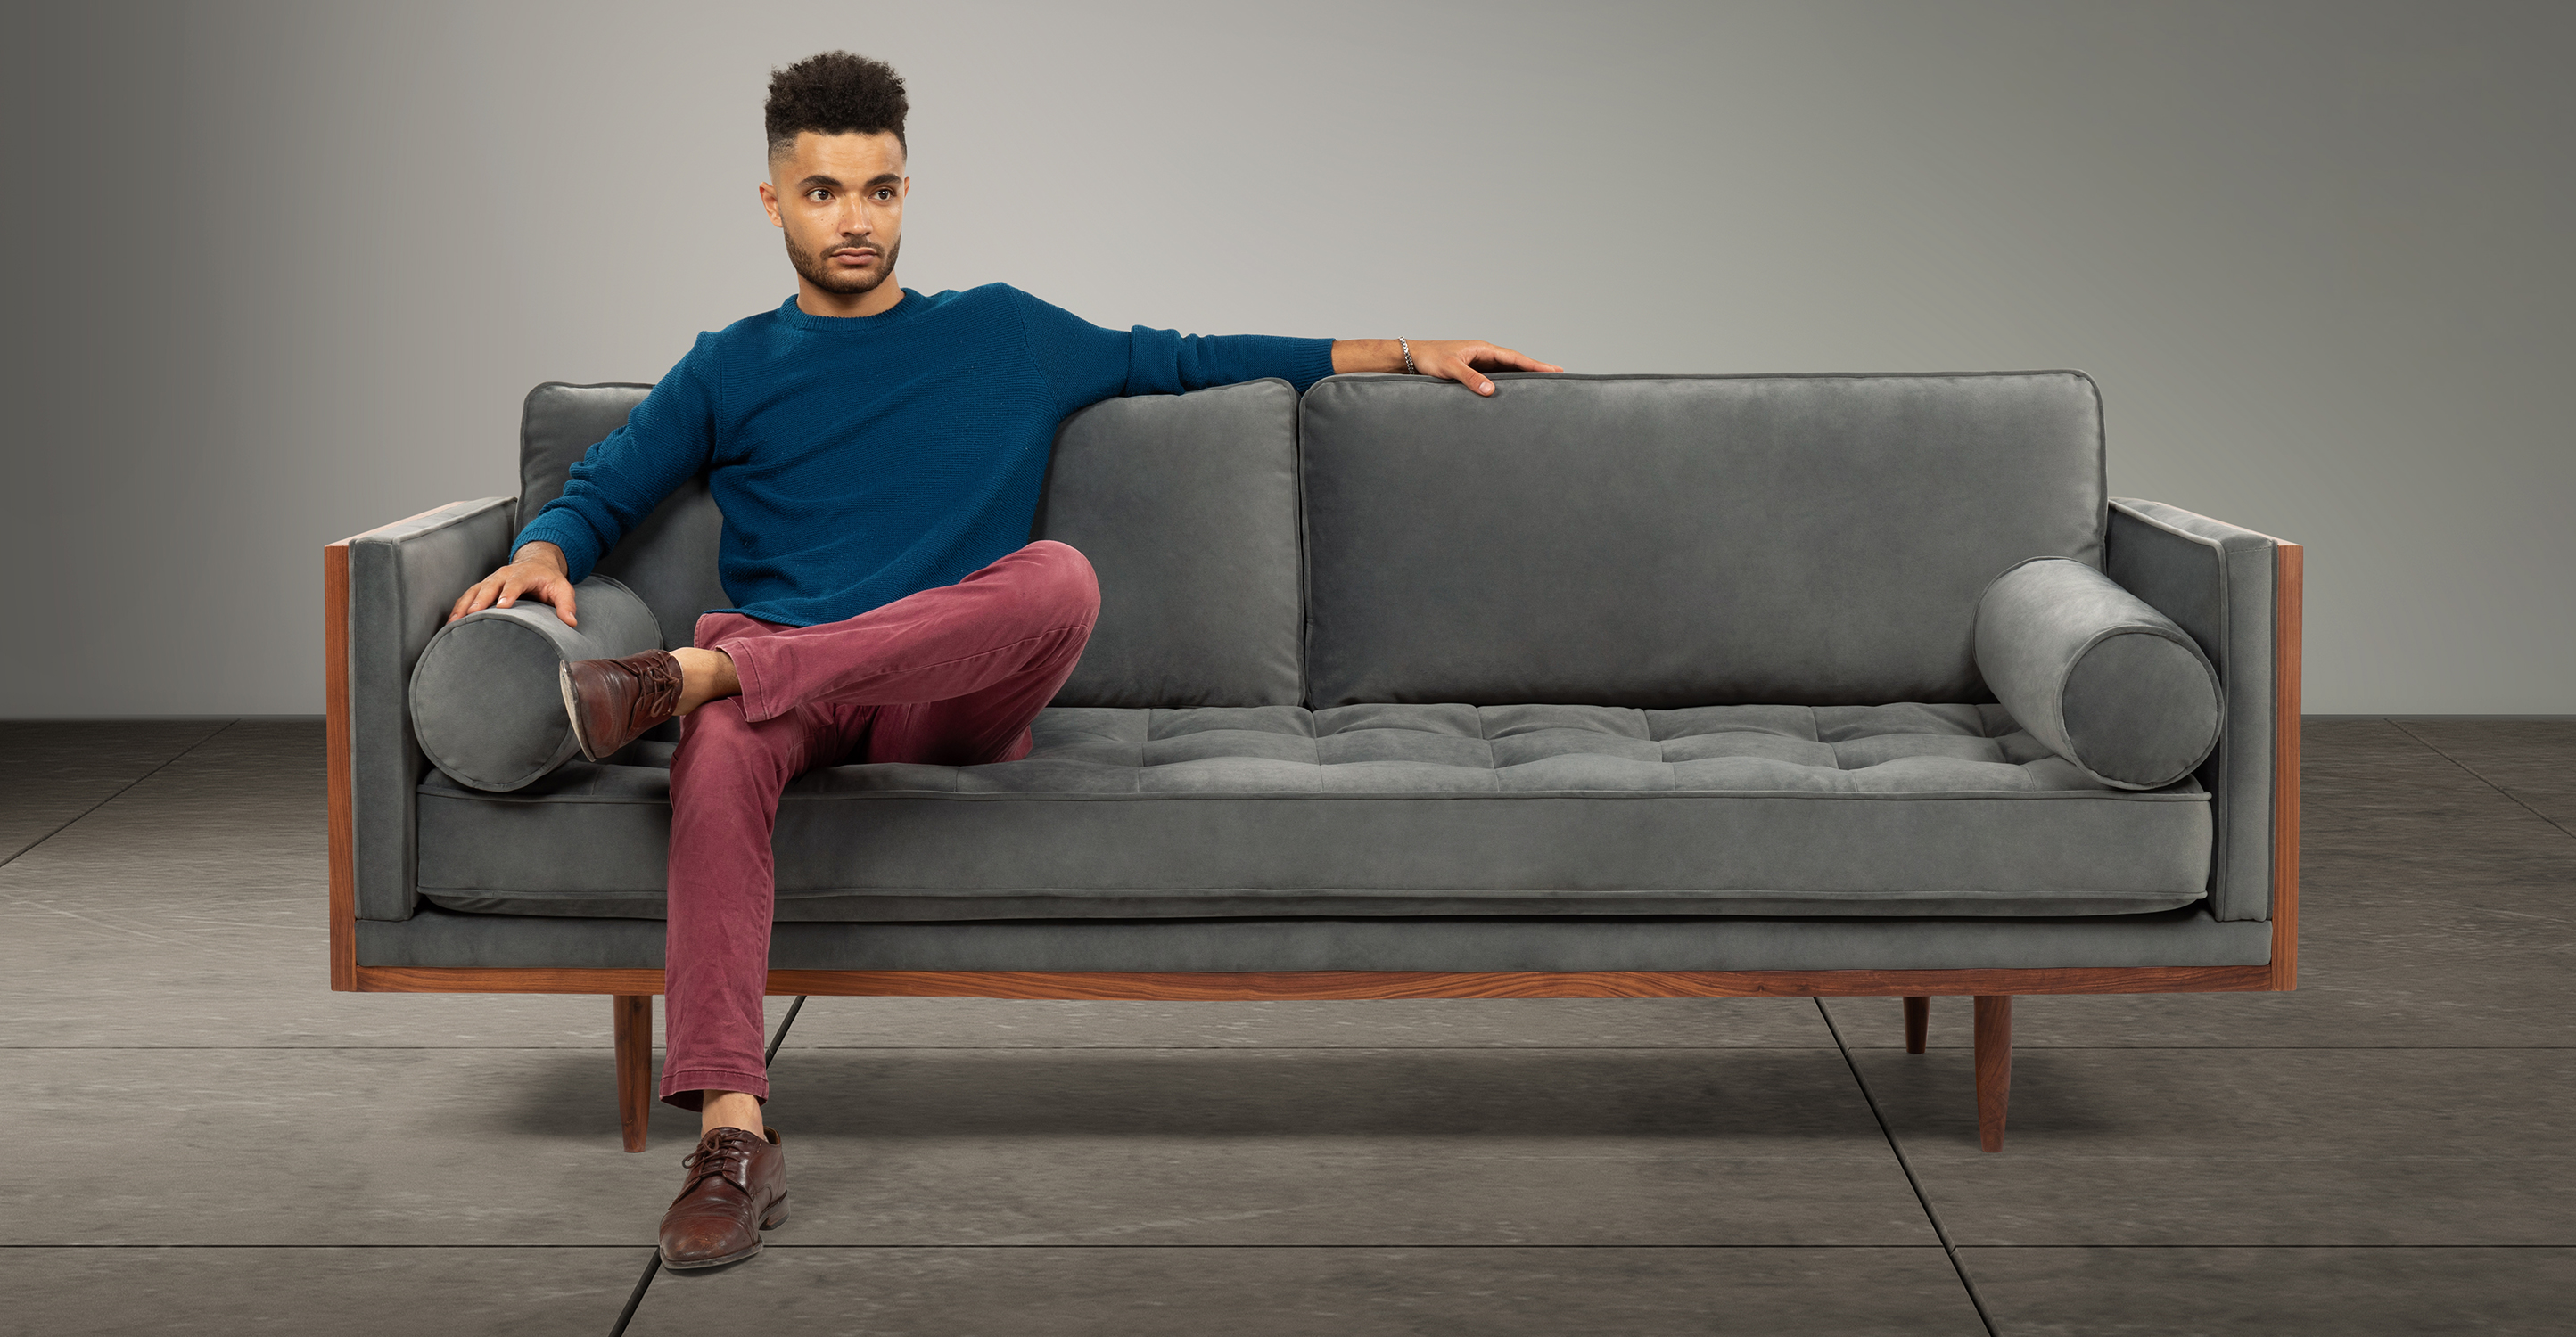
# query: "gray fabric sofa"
{"type": "Point", "coordinates": [1604, 686]}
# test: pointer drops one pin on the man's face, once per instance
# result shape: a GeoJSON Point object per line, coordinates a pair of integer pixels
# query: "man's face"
{"type": "Point", "coordinates": [839, 199]}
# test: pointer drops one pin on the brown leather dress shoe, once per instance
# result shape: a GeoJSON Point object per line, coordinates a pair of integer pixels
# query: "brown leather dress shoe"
{"type": "Point", "coordinates": [737, 1188]}
{"type": "Point", "coordinates": [612, 701]}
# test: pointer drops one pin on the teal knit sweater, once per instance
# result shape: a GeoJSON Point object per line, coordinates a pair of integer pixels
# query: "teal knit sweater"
{"type": "Point", "coordinates": [861, 459]}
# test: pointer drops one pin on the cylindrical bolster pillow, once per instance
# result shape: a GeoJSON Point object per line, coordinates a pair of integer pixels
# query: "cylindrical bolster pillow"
{"type": "Point", "coordinates": [485, 702]}
{"type": "Point", "coordinates": [2097, 675]}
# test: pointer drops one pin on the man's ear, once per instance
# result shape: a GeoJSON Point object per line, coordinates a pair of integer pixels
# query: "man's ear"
{"type": "Point", "coordinates": [769, 204]}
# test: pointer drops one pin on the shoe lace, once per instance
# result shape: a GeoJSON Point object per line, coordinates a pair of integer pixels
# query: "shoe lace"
{"type": "Point", "coordinates": [657, 676]}
{"type": "Point", "coordinates": [723, 1150]}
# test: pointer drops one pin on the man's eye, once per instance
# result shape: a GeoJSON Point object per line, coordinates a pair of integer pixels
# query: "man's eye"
{"type": "Point", "coordinates": [818, 196]}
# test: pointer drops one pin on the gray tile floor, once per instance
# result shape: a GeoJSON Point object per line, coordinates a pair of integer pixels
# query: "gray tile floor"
{"type": "Point", "coordinates": [209, 1140]}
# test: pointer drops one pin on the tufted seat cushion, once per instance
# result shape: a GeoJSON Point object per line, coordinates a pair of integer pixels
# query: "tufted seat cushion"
{"type": "Point", "coordinates": [1385, 810]}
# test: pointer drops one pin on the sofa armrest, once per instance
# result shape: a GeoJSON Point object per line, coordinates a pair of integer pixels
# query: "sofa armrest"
{"type": "Point", "coordinates": [386, 592]}
{"type": "Point", "coordinates": [2237, 593]}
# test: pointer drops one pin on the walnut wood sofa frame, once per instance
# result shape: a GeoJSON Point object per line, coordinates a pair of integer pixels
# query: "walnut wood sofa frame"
{"type": "Point", "coordinates": [631, 990]}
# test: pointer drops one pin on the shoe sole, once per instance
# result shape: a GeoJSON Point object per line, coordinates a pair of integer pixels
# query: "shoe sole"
{"type": "Point", "coordinates": [777, 1213]}
{"type": "Point", "coordinates": [572, 712]}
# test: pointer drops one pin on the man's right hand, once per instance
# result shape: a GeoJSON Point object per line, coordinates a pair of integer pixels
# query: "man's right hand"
{"type": "Point", "coordinates": [537, 569]}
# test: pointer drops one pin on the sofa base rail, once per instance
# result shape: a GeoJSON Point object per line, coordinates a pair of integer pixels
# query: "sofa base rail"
{"type": "Point", "coordinates": [1321, 985]}
{"type": "Point", "coordinates": [631, 995]}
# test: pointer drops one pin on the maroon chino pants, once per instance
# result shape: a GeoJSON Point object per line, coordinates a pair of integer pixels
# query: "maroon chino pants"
{"type": "Point", "coordinates": [949, 676]}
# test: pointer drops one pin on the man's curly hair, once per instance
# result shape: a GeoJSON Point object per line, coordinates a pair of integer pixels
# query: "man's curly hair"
{"type": "Point", "coordinates": [835, 93]}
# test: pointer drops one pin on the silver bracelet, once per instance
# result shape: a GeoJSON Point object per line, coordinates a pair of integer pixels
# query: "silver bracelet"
{"type": "Point", "coordinates": [1409, 368]}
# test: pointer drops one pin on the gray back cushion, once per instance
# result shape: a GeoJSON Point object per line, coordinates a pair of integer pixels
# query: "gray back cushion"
{"type": "Point", "coordinates": [1187, 507]}
{"type": "Point", "coordinates": [670, 559]}
{"type": "Point", "coordinates": [1185, 504]}
{"type": "Point", "coordinates": [1669, 541]}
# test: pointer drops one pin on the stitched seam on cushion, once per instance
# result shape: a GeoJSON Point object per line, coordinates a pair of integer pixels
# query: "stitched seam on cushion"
{"type": "Point", "coordinates": [2222, 835]}
{"type": "Point", "coordinates": [394, 536]}
{"type": "Point", "coordinates": [2158, 522]}
{"type": "Point", "coordinates": [1397, 796]}
{"type": "Point", "coordinates": [1407, 796]}
{"type": "Point", "coordinates": [2268, 539]}
{"type": "Point", "coordinates": [1305, 562]}
{"type": "Point", "coordinates": [1053, 892]}
{"type": "Point", "coordinates": [2101, 475]}
{"type": "Point", "coordinates": [2013, 903]}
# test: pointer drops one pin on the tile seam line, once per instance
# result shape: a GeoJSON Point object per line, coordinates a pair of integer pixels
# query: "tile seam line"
{"type": "Point", "coordinates": [653, 1262]}
{"type": "Point", "coordinates": [1134, 1049]}
{"type": "Point", "coordinates": [1917, 1248]}
{"type": "Point", "coordinates": [1923, 1248]}
{"type": "Point", "coordinates": [2213, 1246]}
{"type": "Point", "coordinates": [1386, 1049]}
{"type": "Point", "coordinates": [1284, 1049]}
{"type": "Point", "coordinates": [2472, 770]}
{"type": "Point", "coordinates": [1940, 1232]}
{"type": "Point", "coordinates": [121, 791]}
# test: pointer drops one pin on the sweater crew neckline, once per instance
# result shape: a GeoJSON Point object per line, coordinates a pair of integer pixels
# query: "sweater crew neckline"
{"type": "Point", "coordinates": [799, 318]}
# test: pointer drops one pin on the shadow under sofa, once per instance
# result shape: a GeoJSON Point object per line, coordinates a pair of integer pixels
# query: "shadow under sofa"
{"type": "Point", "coordinates": [1605, 687]}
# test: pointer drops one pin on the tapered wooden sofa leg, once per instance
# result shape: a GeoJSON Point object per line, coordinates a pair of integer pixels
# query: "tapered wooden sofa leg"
{"type": "Point", "coordinates": [634, 1032]}
{"type": "Point", "coordinates": [1994, 1067]}
{"type": "Point", "coordinates": [1918, 1021]}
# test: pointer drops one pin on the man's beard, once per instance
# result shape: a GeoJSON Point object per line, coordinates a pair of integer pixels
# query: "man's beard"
{"type": "Point", "coordinates": [818, 270]}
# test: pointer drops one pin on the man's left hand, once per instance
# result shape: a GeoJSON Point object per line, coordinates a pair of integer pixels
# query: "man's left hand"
{"type": "Point", "coordinates": [1459, 360]}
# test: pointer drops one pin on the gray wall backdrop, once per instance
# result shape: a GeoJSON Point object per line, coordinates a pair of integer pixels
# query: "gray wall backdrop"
{"type": "Point", "coordinates": [281, 272]}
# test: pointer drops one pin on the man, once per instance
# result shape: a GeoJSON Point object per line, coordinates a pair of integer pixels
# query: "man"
{"type": "Point", "coordinates": [877, 456]}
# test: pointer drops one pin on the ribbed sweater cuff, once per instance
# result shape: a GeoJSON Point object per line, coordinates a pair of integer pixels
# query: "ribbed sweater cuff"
{"type": "Point", "coordinates": [580, 549]}
{"type": "Point", "coordinates": [1313, 364]}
